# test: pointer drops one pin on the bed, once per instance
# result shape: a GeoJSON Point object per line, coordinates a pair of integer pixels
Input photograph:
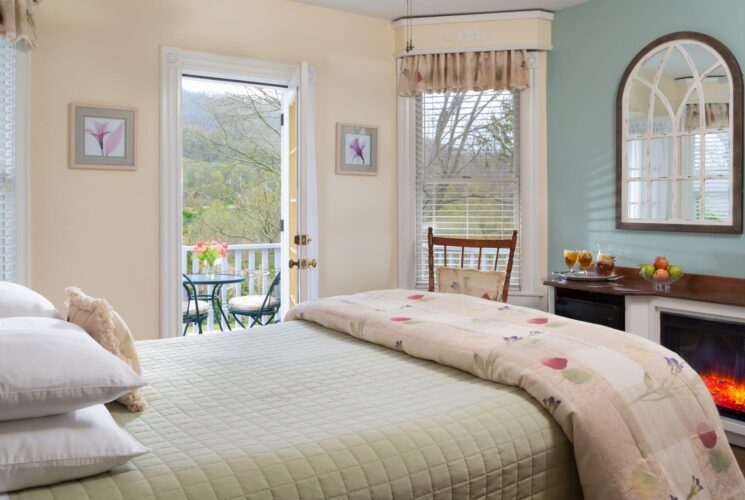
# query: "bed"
{"type": "Point", "coordinates": [297, 410]}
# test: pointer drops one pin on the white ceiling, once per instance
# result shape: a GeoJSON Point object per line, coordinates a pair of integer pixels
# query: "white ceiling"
{"type": "Point", "coordinates": [395, 9]}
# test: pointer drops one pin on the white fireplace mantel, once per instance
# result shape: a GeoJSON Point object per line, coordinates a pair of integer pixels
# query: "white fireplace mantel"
{"type": "Point", "coordinates": [642, 316]}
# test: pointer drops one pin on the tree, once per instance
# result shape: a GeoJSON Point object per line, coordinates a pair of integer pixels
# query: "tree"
{"type": "Point", "coordinates": [232, 166]}
{"type": "Point", "coordinates": [468, 141]}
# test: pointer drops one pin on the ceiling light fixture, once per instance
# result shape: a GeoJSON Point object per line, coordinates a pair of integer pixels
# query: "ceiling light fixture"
{"type": "Point", "coordinates": [409, 36]}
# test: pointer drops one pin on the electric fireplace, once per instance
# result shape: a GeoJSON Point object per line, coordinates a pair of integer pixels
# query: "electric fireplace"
{"type": "Point", "coordinates": [716, 350]}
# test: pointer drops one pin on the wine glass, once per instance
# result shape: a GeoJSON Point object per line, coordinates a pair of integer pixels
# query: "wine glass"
{"type": "Point", "coordinates": [584, 257]}
{"type": "Point", "coordinates": [570, 259]}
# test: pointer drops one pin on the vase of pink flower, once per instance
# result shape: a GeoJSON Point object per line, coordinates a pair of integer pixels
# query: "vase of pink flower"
{"type": "Point", "coordinates": [208, 252]}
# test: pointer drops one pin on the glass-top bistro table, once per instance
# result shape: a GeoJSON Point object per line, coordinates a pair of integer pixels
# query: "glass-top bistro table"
{"type": "Point", "coordinates": [215, 283]}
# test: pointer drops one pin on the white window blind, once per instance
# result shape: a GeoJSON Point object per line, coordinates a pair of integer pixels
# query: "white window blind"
{"type": "Point", "coordinates": [467, 174]}
{"type": "Point", "coordinates": [7, 160]}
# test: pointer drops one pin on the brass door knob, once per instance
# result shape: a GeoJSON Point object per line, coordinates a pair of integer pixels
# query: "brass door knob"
{"type": "Point", "coordinates": [312, 263]}
{"type": "Point", "coordinates": [294, 263]}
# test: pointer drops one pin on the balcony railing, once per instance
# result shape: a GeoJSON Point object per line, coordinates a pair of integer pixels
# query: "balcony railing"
{"type": "Point", "coordinates": [258, 262]}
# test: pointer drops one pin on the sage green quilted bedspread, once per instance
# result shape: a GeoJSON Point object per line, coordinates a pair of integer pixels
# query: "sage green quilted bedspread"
{"type": "Point", "coordinates": [297, 411]}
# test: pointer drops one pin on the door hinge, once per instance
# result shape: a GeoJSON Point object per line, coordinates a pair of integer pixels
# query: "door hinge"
{"type": "Point", "coordinates": [281, 225]}
{"type": "Point", "coordinates": [282, 120]}
{"type": "Point", "coordinates": [302, 239]}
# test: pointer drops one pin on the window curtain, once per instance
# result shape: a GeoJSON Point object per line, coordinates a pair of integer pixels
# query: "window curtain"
{"type": "Point", "coordinates": [463, 71]}
{"type": "Point", "coordinates": [17, 20]}
{"type": "Point", "coordinates": [717, 115]}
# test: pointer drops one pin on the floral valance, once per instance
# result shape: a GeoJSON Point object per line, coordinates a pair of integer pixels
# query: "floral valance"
{"type": "Point", "coordinates": [463, 71]}
{"type": "Point", "coordinates": [17, 20]}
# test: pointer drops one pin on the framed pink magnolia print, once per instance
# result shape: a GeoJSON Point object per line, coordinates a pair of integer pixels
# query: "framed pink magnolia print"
{"type": "Point", "coordinates": [356, 149]}
{"type": "Point", "coordinates": [102, 138]}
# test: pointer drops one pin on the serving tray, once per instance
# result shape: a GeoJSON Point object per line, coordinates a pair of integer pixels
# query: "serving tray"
{"type": "Point", "coordinates": [589, 276]}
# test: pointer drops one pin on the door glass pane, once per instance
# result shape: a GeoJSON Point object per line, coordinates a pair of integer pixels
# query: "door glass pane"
{"type": "Point", "coordinates": [231, 192]}
{"type": "Point", "coordinates": [7, 161]}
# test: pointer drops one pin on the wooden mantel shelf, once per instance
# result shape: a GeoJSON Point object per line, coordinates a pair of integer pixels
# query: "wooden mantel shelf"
{"type": "Point", "coordinates": [699, 287]}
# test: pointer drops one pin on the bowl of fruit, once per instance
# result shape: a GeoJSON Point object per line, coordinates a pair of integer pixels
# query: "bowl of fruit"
{"type": "Point", "coordinates": [661, 273]}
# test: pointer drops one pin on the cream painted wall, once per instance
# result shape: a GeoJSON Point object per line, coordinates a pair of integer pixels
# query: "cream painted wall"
{"type": "Point", "coordinates": [99, 230]}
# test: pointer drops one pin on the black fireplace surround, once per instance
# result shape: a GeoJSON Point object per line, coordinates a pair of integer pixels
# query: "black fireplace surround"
{"type": "Point", "coordinates": [716, 350]}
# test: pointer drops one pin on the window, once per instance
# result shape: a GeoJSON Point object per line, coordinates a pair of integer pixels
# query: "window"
{"type": "Point", "coordinates": [7, 161]}
{"type": "Point", "coordinates": [467, 173]}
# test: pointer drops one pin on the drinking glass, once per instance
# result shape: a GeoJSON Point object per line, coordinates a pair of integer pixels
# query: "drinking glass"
{"type": "Point", "coordinates": [570, 259]}
{"type": "Point", "coordinates": [584, 257]}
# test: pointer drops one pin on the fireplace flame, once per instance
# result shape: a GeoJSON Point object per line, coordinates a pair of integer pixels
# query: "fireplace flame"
{"type": "Point", "coordinates": [726, 391]}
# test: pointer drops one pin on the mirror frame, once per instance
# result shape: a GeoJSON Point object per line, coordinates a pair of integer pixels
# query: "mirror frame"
{"type": "Point", "coordinates": [737, 139]}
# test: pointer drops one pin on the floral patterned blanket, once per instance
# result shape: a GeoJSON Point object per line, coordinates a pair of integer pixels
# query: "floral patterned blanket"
{"type": "Point", "coordinates": [642, 422]}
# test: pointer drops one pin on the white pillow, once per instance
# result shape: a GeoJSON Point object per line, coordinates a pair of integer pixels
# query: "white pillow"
{"type": "Point", "coordinates": [56, 368]}
{"type": "Point", "coordinates": [17, 300]}
{"type": "Point", "coordinates": [34, 323]}
{"type": "Point", "coordinates": [47, 450]}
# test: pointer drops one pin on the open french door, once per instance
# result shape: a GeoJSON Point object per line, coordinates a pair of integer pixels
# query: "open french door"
{"type": "Point", "coordinates": [299, 205]}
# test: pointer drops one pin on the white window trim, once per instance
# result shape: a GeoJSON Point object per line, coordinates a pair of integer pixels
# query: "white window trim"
{"type": "Point", "coordinates": [532, 239]}
{"type": "Point", "coordinates": [22, 166]}
{"type": "Point", "coordinates": [174, 63]}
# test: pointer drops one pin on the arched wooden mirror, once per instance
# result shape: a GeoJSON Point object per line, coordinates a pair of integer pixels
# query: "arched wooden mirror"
{"type": "Point", "coordinates": [679, 137]}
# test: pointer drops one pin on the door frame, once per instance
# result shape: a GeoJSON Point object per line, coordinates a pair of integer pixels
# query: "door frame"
{"type": "Point", "coordinates": [174, 63]}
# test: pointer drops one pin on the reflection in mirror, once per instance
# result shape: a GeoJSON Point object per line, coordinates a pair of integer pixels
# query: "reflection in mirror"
{"type": "Point", "coordinates": [637, 159]}
{"type": "Point", "coordinates": [662, 200]}
{"type": "Point", "coordinates": [716, 199]}
{"type": "Point", "coordinates": [689, 192]}
{"type": "Point", "coordinates": [688, 155]}
{"type": "Point", "coordinates": [662, 156]}
{"type": "Point", "coordinates": [679, 165]}
{"type": "Point", "coordinates": [637, 200]}
{"type": "Point", "coordinates": [638, 109]}
{"type": "Point", "coordinates": [651, 66]}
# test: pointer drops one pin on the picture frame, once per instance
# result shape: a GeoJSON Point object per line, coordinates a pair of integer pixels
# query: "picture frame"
{"type": "Point", "coordinates": [102, 138]}
{"type": "Point", "coordinates": [356, 149]}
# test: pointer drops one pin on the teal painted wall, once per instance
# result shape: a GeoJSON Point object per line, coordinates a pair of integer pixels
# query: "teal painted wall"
{"type": "Point", "coordinates": [593, 43]}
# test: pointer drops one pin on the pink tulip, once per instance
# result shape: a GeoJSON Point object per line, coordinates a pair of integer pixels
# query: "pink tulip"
{"type": "Point", "coordinates": [200, 243]}
{"type": "Point", "coordinates": [556, 363]}
{"type": "Point", "coordinates": [225, 245]}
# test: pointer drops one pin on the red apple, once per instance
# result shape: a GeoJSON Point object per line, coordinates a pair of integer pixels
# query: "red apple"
{"type": "Point", "coordinates": [661, 275]}
{"type": "Point", "coordinates": [661, 262]}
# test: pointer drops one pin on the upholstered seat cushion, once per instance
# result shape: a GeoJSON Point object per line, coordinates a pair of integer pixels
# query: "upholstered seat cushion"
{"type": "Point", "coordinates": [251, 303]}
{"type": "Point", "coordinates": [484, 284]}
{"type": "Point", "coordinates": [190, 308]}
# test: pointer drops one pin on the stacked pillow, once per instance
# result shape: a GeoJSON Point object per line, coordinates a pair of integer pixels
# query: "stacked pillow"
{"type": "Point", "coordinates": [54, 381]}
